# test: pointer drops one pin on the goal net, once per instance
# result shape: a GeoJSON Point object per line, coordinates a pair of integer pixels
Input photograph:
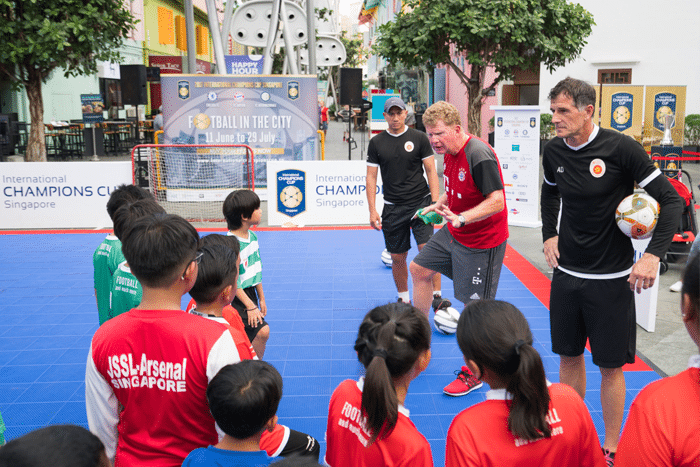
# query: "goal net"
{"type": "Point", "coordinates": [192, 180]}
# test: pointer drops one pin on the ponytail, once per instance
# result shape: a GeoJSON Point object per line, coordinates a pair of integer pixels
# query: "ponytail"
{"type": "Point", "coordinates": [389, 341]}
{"type": "Point", "coordinates": [496, 336]}
{"type": "Point", "coordinates": [528, 385]}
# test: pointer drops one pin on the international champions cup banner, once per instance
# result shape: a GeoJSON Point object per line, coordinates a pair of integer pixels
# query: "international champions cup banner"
{"type": "Point", "coordinates": [621, 109]}
{"type": "Point", "coordinates": [277, 116]}
{"type": "Point", "coordinates": [659, 102]}
{"type": "Point", "coordinates": [319, 193]}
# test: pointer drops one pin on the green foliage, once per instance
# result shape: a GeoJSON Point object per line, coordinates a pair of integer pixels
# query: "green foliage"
{"type": "Point", "coordinates": [505, 34]}
{"type": "Point", "coordinates": [40, 36]}
{"type": "Point", "coordinates": [692, 130]}
{"type": "Point", "coordinates": [546, 127]}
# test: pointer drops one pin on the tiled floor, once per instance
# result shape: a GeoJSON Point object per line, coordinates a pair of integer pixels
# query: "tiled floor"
{"type": "Point", "coordinates": [318, 285]}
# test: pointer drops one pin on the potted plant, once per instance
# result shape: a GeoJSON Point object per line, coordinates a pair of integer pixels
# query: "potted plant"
{"type": "Point", "coordinates": [691, 134]}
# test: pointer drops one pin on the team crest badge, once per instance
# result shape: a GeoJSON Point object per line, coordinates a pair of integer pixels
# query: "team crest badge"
{"type": "Point", "coordinates": [408, 146]}
{"type": "Point", "coordinates": [533, 122]}
{"type": "Point", "coordinates": [597, 168]}
{"type": "Point", "coordinates": [293, 90]}
{"type": "Point", "coordinates": [462, 174]}
{"type": "Point", "coordinates": [183, 89]}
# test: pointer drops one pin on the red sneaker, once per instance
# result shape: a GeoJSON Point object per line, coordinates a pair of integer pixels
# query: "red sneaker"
{"type": "Point", "coordinates": [609, 457]}
{"type": "Point", "coordinates": [465, 383]}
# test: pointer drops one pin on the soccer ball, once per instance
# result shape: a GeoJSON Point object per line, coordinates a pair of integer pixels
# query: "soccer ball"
{"type": "Point", "coordinates": [386, 258]}
{"type": "Point", "coordinates": [636, 215]}
{"type": "Point", "coordinates": [445, 320]}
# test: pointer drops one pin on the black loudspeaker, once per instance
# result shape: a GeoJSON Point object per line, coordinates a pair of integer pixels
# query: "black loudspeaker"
{"type": "Point", "coordinates": [351, 86]}
{"type": "Point", "coordinates": [133, 83]}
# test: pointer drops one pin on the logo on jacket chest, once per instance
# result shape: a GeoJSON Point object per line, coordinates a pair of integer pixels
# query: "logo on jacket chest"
{"type": "Point", "coordinates": [597, 168]}
{"type": "Point", "coordinates": [462, 175]}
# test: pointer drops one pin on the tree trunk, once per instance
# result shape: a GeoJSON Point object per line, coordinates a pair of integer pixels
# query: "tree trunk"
{"type": "Point", "coordinates": [36, 145]}
{"type": "Point", "coordinates": [475, 103]}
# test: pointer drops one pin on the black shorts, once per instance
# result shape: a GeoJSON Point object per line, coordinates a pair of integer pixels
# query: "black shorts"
{"type": "Point", "coordinates": [397, 225]}
{"type": "Point", "coordinates": [250, 331]}
{"type": "Point", "coordinates": [600, 310]}
{"type": "Point", "coordinates": [474, 272]}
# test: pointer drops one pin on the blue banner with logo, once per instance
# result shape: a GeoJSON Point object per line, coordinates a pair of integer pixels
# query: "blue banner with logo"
{"type": "Point", "coordinates": [664, 104]}
{"type": "Point", "coordinates": [622, 107]}
{"type": "Point", "coordinates": [277, 116]}
{"type": "Point", "coordinates": [291, 192]}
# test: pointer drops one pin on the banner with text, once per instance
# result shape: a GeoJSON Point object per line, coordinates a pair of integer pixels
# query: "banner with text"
{"type": "Point", "coordinates": [244, 64]}
{"type": "Point", "coordinates": [275, 115]}
{"type": "Point", "coordinates": [319, 193]}
{"type": "Point", "coordinates": [659, 102]}
{"type": "Point", "coordinates": [517, 140]}
{"type": "Point", "coordinates": [55, 195]}
{"type": "Point", "coordinates": [622, 109]}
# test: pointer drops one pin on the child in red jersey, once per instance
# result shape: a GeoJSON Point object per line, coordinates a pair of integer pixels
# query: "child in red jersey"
{"type": "Point", "coordinates": [368, 425]}
{"type": "Point", "coordinates": [148, 369]}
{"type": "Point", "coordinates": [663, 425]}
{"type": "Point", "coordinates": [213, 291]}
{"type": "Point", "coordinates": [525, 420]}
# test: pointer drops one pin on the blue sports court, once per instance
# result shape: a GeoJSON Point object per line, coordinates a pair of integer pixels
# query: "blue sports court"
{"type": "Point", "coordinates": [318, 285]}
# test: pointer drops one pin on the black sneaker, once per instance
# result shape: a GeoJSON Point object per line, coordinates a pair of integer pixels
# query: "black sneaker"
{"type": "Point", "coordinates": [440, 303]}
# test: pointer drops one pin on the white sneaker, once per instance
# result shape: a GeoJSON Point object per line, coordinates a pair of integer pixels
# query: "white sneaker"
{"type": "Point", "coordinates": [676, 287]}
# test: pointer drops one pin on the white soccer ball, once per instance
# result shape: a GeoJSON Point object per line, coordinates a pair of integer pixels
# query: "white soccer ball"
{"type": "Point", "coordinates": [636, 215]}
{"type": "Point", "coordinates": [445, 320]}
{"type": "Point", "coordinates": [386, 258]}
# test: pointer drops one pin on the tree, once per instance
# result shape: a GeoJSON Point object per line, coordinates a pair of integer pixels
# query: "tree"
{"type": "Point", "coordinates": [43, 35]}
{"type": "Point", "coordinates": [505, 34]}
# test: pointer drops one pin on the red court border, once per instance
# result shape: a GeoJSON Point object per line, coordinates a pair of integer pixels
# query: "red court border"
{"type": "Point", "coordinates": [531, 277]}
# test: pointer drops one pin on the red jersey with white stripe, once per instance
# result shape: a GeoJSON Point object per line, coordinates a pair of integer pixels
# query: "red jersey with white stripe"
{"type": "Point", "coordinates": [145, 384]}
{"type": "Point", "coordinates": [271, 442]}
{"type": "Point", "coordinates": [479, 435]}
{"type": "Point", "coordinates": [347, 438]}
{"type": "Point", "coordinates": [475, 168]}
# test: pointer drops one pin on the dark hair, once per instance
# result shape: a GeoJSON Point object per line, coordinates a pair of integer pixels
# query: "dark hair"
{"type": "Point", "coordinates": [691, 280]}
{"type": "Point", "coordinates": [229, 241]}
{"type": "Point", "coordinates": [217, 270]}
{"type": "Point", "coordinates": [239, 204]}
{"type": "Point", "coordinates": [56, 445]}
{"type": "Point", "coordinates": [158, 247]}
{"type": "Point", "coordinates": [579, 91]}
{"type": "Point", "coordinates": [389, 341]}
{"type": "Point", "coordinates": [244, 396]}
{"type": "Point", "coordinates": [125, 194]}
{"type": "Point", "coordinates": [496, 335]}
{"type": "Point", "coordinates": [129, 212]}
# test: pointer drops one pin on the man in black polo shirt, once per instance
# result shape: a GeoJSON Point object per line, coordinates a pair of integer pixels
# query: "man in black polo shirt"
{"type": "Point", "coordinates": [402, 153]}
{"type": "Point", "coordinates": [587, 172]}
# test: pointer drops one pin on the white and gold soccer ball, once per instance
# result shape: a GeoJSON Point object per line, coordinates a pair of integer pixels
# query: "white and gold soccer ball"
{"type": "Point", "coordinates": [637, 215]}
